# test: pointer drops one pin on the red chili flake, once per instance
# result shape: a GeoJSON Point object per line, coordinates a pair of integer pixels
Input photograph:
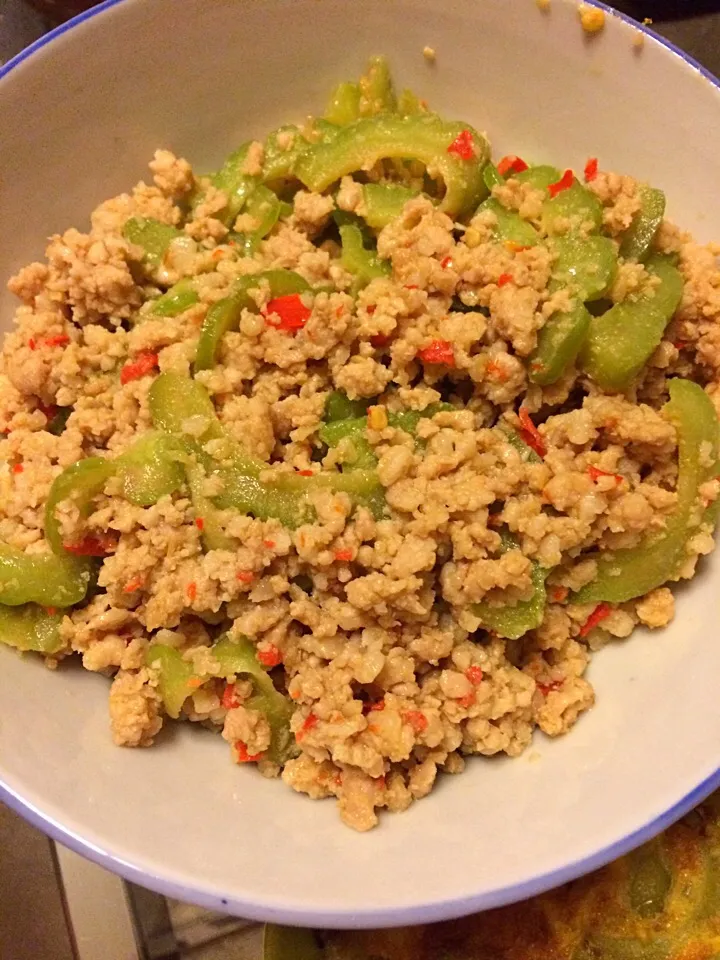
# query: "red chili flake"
{"type": "Point", "coordinates": [269, 544]}
{"type": "Point", "coordinates": [191, 591]}
{"type": "Point", "coordinates": [516, 247]}
{"type": "Point", "coordinates": [446, 263]}
{"type": "Point", "coordinates": [680, 345]}
{"type": "Point", "coordinates": [245, 576]}
{"type": "Point", "coordinates": [229, 700]}
{"type": "Point", "coordinates": [344, 556]}
{"type": "Point", "coordinates": [32, 343]}
{"type": "Point", "coordinates": [242, 753]}
{"type": "Point", "coordinates": [591, 169]}
{"type": "Point", "coordinates": [546, 688]}
{"type": "Point", "coordinates": [379, 340]}
{"type": "Point", "coordinates": [291, 312]}
{"type": "Point", "coordinates": [17, 468]}
{"type": "Point", "coordinates": [93, 545]}
{"type": "Point", "coordinates": [141, 366]}
{"type": "Point", "coordinates": [530, 433]}
{"type": "Point", "coordinates": [601, 611]}
{"type": "Point", "coordinates": [371, 309]}
{"type": "Point", "coordinates": [468, 700]}
{"type": "Point", "coordinates": [559, 594]}
{"type": "Point", "coordinates": [59, 340]}
{"type": "Point", "coordinates": [378, 705]}
{"type": "Point", "coordinates": [411, 286]}
{"type": "Point", "coordinates": [496, 371]}
{"type": "Point", "coordinates": [564, 183]}
{"type": "Point", "coordinates": [270, 657]}
{"type": "Point", "coordinates": [511, 164]}
{"type": "Point", "coordinates": [416, 719]}
{"type": "Point", "coordinates": [474, 674]}
{"type": "Point", "coordinates": [595, 473]}
{"type": "Point", "coordinates": [132, 585]}
{"type": "Point", "coordinates": [504, 279]}
{"type": "Point", "coordinates": [380, 782]}
{"type": "Point", "coordinates": [51, 611]}
{"type": "Point", "coordinates": [463, 146]}
{"type": "Point", "coordinates": [310, 722]}
{"type": "Point", "coordinates": [48, 410]}
{"type": "Point", "coordinates": [305, 473]}
{"type": "Point", "coordinates": [199, 523]}
{"type": "Point", "coordinates": [439, 351]}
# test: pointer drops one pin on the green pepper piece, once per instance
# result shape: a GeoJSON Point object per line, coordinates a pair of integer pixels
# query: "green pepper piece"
{"type": "Point", "coordinates": [238, 656]}
{"type": "Point", "coordinates": [224, 315]}
{"type": "Point", "coordinates": [376, 89]}
{"type": "Point", "coordinates": [30, 627]}
{"type": "Point", "coordinates": [410, 105]}
{"type": "Point", "coordinates": [353, 430]}
{"type": "Point", "coordinates": [361, 144]}
{"type": "Point", "coordinates": [235, 184]}
{"type": "Point", "coordinates": [559, 342]}
{"type": "Point", "coordinates": [175, 676]}
{"type": "Point", "coordinates": [152, 235]}
{"type": "Point", "coordinates": [650, 880]}
{"type": "Point", "coordinates": [57, 423]}
{"type": "Point", "coordinates": [540, 177]}
{"type": "Point", "coordinates": [43, 578]}
{"type": "Point", "coordinates": [512, 622]}
{"type": "Point", "coordinates": [492, 176]}
{"type": "Point", "coordinates": [408, 420]}
{"type": "Point", "coordinates": [290, 943]}
{"type": "Point", "coordinates": [356, 259]}
{"type": "Point", "coordinates": [265, 208]}
{"type": "Point", "coordinates": [176, 300]}
{"type": "Point", "coordinates": [638, 238]}
{"type": "Point", "coordinates": [81, 482]}
{"type": "Point", "coordinates": [622, 340]}
{"type": "Point", "coordinates": [344, 104]}
{"type": "Point", "coordinates": [510, 226]}
{"type": "Point", "coordinates": [213, 535]}
{"type": "Point", "coordinates": [577, 204]}
{"type": "Point", "coordinates": [175, 399]}
{"type": "Point", "coordinates": [339, 406]}
{"type": "Point", "coordinates": [384, 202]}
{"type": "Point", "coordinates": [626, 574]}
{"type": "Point", "coordinates": [152, 468]}
{"type": "Point", "coordinates": [588, 265]}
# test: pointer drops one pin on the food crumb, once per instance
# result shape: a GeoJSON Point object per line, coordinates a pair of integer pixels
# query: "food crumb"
{"type": "Point", "coordinates": [638, 41]}
{"type": "Point", "coordinates": [429, 54]}
{"type": "Point", "coordinates": [591, 18]}
{"type": "Point", "coordinates": [543, 5]}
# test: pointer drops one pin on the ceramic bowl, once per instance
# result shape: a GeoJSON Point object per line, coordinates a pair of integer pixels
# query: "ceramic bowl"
{"type": "Point", "coordinates": [81, 114]}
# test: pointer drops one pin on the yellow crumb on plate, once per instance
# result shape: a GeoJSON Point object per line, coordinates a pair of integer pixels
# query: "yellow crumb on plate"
{"type": "Point", "coordinates": [638, 40]}
{"type": "Point", "coordinates": [591, 18]}
{"type": "Point", "coordinates": [429, 54]}
{"type": "Point", "coordinates": [544, 5]}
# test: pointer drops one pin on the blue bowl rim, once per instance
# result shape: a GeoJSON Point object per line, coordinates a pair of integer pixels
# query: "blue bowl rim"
{"type": "Point", "coordinates": [339, 918]}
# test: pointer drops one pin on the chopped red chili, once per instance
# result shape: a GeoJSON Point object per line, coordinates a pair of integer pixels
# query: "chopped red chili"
{"type": "Point", "coordinates": [439, 351]}
{"type": "Point", "coordinates": [199, 523]}
{"type": "Point", "coordinates": [229, 700]}
{"type": "Point", "coordinates": [245, 576]}
{"type": "Point", "coordinates": [559, 594]}
{"type": "Point", "coordinates": [141, 366]}
{"type": "Point", "coordinates": [564, 183]}
{"type": "Point", "coordinates": [310, 722]}
{"type": "Point", "coordinates": [93, 545]}
{"type": "Point", "coordinates": [446, 263]}
{"type": "Point", "coordinates": [530, 433]}
{"type": "Point", "coordinates": [344, 556]}
{"type": "Point", "coordinates": [546, 688]}
{"type": "Point", "coordinates": [416, 719]}
{"type": "Point", "coordinates": [191, 591]}
{"type": "Point", "coordinates": [242, 753]}
{"type": "Point", "coordinates": [474, 674]}
{"type": "Point", "coordinates": [516, 247]}
{"type": "Point", "coordinates": [291, 312]}
{"type": "Point", "coordinates": [504, 279]}
{"type": "Point", "coordinates": [305, 473]}
{"type": "Point", "coordinates": [270, 544]}
{"type": "Point", "coordinates": [17, 468]}
{"type": "Point", "coordinates": [48, 410]}
{"type": "Point", "coordinates": [601, 611]}
{"type": "Point", "coordinates": [51, 611]}
{"type": "Point", "coordinates": [591, 169]}
{"type": "Point", "coordinates": [59, 340]}
{"type": "Point", "coordinates": [378, 705]}
{"type": "Point", "coordinates": [132, 585]}
{"type": "Point", "coordinates": [32, 343]}
{"type": "Point", "coordinates": [379, 340]}
{"type": "Point", "coordinates": [511, 164]}
{"type": "Point", "coordinates": [496, 371]}
{"type": "Point", "coordinates": [463, 146]}
{"type": "Point", "coordinates": [595, 473]}
{"type": "Point", "coordinates": [468, 700]}
{"type": "Point", "coordinates": [270, 656]}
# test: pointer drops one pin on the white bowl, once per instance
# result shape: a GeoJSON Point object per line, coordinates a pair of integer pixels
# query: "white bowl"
{"type": "Point", "coordinates": [81, 116]}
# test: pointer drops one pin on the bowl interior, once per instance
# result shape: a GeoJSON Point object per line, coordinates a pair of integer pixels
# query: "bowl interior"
{"type": "Point", "coordinates": [82, 117]}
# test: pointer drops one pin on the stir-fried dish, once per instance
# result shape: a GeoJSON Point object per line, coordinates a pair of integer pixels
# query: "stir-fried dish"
{"type": "Point", "coordinates": [358, 448]}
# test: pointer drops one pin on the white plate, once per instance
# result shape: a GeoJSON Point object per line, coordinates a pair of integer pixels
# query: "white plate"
{"type": "Point", "coordinates": [80, 116]}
